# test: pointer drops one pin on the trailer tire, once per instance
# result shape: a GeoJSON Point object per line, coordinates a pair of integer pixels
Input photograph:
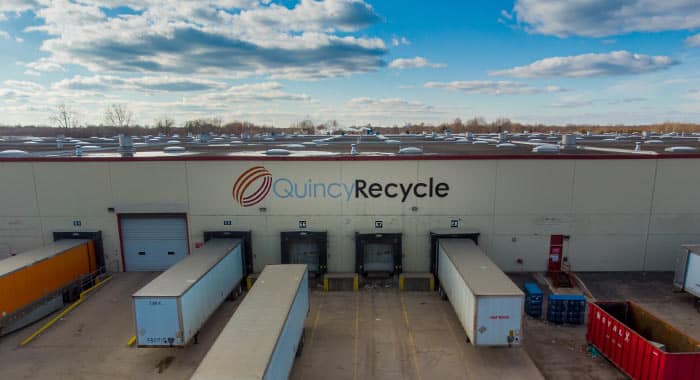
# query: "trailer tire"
{"type": "Point", "coordinates": [300, 346]}
{"type": "Point", "coordinates": [442, 294]}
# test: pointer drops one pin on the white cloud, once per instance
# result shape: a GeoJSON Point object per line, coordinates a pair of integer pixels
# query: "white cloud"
{"type": "Point", "coordinates": [589, 65]}
{"type": "Point", "coordinates": [256, 92]}
{"type": "Point", "coordinates": [693, 40]}
{"type": "Point", "coordinates": [413, 63]}
{"type": "Point", "coordinates": [19, 40]}
{"type": "Point", "coordinates": [492, 87]}
{"type": "Point", "coordinates": [4, 35]}
{"type": "Point", "coordinates": [148, 84]}
{"type": "Point", "coordinates": [397, 41]}
{"type": "Point", "coordinates": [24, 85]}
{"type": "Point", "coordinates": [16, 6]}
{"type": "Point", "coordinates": [598, 18]}
{"type": "Point", "coordinates": [32, 73]}
{"type": "Point", "coordinates": [215, 37]}
{"type": "Point", "coordinates": [44, 65]}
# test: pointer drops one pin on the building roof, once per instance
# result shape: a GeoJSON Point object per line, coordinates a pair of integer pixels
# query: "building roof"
{"type": "Point", "coordinates": [298, 147]}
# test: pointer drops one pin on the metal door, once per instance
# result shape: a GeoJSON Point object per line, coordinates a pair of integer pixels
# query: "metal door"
{"type": "Point", "coordinates": [153, 243]}
{"type": "Point", "coordinates": [305, 247]}
{"type": "Point", "coordinates": [379, 257]}
{"type": "Point", "coordinates": [556, 252]}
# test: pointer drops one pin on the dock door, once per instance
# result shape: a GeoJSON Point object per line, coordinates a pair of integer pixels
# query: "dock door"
{"type": "Point", "coordinates": [305, 247]}
{"type": "Point", "coordinates": [436, 236]}
{"type": "Point", "coordinates": [152, 242]}
{"type": "Point", "coordinates": [378, 254]}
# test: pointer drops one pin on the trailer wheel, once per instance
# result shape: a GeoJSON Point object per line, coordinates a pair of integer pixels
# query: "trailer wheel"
{"type": "Point", "coordinates": [71, 295]}
{"type": "Point", "coordinates": [442, 294]}
{"type": "Point", "coordinates": [300, 347]}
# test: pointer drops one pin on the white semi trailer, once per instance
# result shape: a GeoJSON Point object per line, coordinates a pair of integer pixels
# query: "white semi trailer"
{"type": "Point", "coordinates": [488, 304]}
{"type": "Point", "coordinates": [687, 276]}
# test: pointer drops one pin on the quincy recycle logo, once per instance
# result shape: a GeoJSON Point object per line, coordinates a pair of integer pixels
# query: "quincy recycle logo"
{"type": "Point", "coordinates": [256, 183]}
{"type": "Point", "coordinates": [246, 179]}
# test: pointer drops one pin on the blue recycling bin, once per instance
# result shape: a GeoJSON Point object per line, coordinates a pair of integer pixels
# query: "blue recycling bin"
{"type": "Point", "coordinates": [533, 300]}
{"type": "Point", "coordinates": [566, 308]}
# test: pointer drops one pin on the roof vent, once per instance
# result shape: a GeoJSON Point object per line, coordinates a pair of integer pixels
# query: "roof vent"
{"type": "Point", "coordinates": [174, 149]}
{"type": "Point", "coordinates": [411, 150]}
{"type": "Point", "coordinates": [680, 149]}
{"type": "Point", "coordinates": [126, 146]}
{"type": "Point", "coordinates": [546, 148]}
{"type": "Point", "coordinates": [14, 153]}
{"type": "Point", "coordinates": [277, 152]}
{"type": "Point", "coordinates": [568, 140]}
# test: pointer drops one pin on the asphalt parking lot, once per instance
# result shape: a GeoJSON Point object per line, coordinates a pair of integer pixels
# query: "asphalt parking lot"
{"type": "Point", "coordinates": [376, 333]}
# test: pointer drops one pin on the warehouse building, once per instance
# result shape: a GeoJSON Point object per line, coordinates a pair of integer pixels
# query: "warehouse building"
{"type": "Point", "coordinates": [369, 204]}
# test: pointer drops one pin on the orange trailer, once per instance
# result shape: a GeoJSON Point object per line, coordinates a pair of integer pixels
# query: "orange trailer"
{"type": "Point", "coordinates": [36, 283]}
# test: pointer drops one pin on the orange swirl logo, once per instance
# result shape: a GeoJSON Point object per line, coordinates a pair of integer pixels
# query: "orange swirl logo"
{"type": "Point", "coordinates": [256, 174]}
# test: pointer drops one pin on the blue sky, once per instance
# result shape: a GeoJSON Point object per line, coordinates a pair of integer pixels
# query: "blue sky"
{"type": "Point", "coordinates": [381, 62]}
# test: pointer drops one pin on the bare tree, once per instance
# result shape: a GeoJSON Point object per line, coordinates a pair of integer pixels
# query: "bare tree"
{"type": "Point", "coordinates": [164, 124]}
{"type": "Point", "coordinates": [118, 115]}
{"type": "Point", "coordinates": [65, 117]}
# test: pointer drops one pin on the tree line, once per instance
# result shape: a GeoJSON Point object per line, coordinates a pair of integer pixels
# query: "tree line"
{"type": "Point", "coordinates": [118, 118]}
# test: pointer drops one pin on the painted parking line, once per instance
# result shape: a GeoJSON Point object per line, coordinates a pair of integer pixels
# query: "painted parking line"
{"type": "Point", "coordinates": [411, 340]}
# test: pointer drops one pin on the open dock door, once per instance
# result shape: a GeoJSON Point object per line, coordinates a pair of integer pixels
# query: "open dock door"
{"type": "Point", "coordinates": [246, 236]}
{"type": "Point", "coordinates": [306, 247]}
{"type": "Point", "coordinates": [435, 237]}
{"type": "Point", "coordinates": [378, 254]}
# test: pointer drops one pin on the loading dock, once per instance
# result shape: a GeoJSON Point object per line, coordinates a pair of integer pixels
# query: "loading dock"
{"type": "Point", "coordinates": [436, 236]}
{"type": "Point", "coordinates": [245, 236]}
{"type": "Point", "coordinates": [306, 247]}
{"type": "Point", "coordinates": [95, 236]}
{"type": "Point", "coordinates": [152, 242]}
{"type": "Point", "coordinates": [378, 254]}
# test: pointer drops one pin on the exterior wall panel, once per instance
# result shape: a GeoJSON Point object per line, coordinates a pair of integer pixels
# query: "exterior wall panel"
{"type": "Point", "coordinates": [62, 190]}
{"type": "Point", "coordinates": [675, 187]}
{"type": "Point", "coordinates": [622, 186]}
{"type": "Point", "coordinates": [603, 204]}
{"type": "Point", "coordinates": [18, 179]}
{"type": "Point", "coordinates": [534, 187]}
{"type": "Point", "coordinates": [607, 252]}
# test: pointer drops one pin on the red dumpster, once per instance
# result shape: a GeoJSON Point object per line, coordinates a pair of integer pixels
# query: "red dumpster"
{"type": "Point", "coordinates": [640, 344]}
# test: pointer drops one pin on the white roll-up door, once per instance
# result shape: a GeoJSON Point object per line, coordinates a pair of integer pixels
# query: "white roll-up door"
{"type": "Point", "coordinates": [153, 243]}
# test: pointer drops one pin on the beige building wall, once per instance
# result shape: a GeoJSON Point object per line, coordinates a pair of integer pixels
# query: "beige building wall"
{"type": "Point", "coordinates": [622, 214]}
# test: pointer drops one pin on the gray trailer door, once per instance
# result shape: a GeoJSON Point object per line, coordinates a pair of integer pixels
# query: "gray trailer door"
{"type": "Point", "coordinates": [153, 243]}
